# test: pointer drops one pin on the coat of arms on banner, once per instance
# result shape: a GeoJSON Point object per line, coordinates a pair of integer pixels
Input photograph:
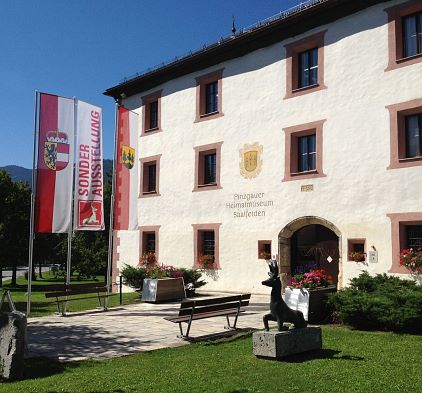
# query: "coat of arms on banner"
{"type": "Point", "coordinates": [128, 156]}
{"type": "Point", "coordinates": [56, 150]}
{"type": "Point", "coordinates": [250, 160]}
{"type": "Point", "coordinates": [90, 214]}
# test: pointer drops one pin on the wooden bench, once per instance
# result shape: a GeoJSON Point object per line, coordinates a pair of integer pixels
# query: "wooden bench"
{"type": "Point", "coordinates": [191, 310]}
{"type": "Point", "coordinates": [63, 292]}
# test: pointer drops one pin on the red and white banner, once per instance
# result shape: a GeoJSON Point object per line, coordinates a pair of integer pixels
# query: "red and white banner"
{"type": "Point", "coordinates": [126, 162]}
{"type": "Point", "coordinates": [53, 199]}
{"type": "Point", "coordinates": [89, 182]}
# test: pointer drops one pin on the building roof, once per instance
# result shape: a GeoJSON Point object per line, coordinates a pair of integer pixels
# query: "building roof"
{"type": "Point", "coordinates": [304, 17]}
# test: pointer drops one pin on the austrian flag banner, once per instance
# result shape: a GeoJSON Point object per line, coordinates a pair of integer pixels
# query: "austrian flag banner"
{"type": "Point", "coordinates": [126, 163]}
{"type": "Point", "coordinates": [89, 182]}
{"type": "Point", "coordinates": [53, 199]}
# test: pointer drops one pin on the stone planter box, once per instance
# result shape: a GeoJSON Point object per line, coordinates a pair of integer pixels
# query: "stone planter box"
{"type": "Point", "coordinates": [161, 289]}
{"type": "Point", "coordinates": [310, 301]}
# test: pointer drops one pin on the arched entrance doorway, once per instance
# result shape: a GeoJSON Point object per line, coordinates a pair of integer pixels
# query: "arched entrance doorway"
{"type": "Point", "coordinates": [308, 243]}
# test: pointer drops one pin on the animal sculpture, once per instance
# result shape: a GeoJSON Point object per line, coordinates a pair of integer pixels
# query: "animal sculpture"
{"type": "Point", "coordinates": [279, 311]}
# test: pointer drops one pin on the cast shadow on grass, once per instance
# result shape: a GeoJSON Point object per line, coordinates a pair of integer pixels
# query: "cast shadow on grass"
{"type": "Point", "coordinates": [321, 354]}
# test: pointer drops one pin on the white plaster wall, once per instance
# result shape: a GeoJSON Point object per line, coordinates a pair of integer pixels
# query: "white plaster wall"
{"type": "Point", "coordinates": [358, 191]}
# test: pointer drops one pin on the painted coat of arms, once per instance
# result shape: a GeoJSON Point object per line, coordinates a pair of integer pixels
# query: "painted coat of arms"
{"type": "Point", "coordinates": [250, 160]}
{"type": "Point", "coordinates": [56, 150]}
{"type": "Point", "coordinates": [128, 156]}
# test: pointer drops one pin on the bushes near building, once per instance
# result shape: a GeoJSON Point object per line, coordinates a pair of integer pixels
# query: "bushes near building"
{"type": "Point", "coordinates": [379, 302]}
{"type": "Point", "coordinates": [134, 276]}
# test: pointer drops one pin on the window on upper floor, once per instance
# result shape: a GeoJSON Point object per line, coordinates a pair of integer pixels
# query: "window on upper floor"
{"type": "Point", "coordinates": [404, 34]}
{"type": "Point", "coordinates": [412, 34]}
{"type": "Point", "coordinates": [413, 136]}
{"type": "Point", "coordinates": [150, 167]}
{"type": "Point", "coordinates": [405, 134]}
{"type": "Point", "coordinates": [307, 153]}
{"type": "Point", "coordinates": [209, 96]}
{"type": "Point", "coordinates": [305, 65]}
{"type": "Point", "coordinates": [151, 114]}
{"type": "Point", "coordinates": [303, 151]}
{"type": "Point", "coordinates": [308, 68]}
{"type": "Point", "coordinates": [207, 167]}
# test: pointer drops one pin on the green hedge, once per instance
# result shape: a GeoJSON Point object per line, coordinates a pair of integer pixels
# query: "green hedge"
{"type": "Point", "coordinates": [379, 302]}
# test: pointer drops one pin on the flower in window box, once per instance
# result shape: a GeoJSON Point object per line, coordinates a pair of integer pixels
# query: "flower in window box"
{"type": "Point", "coordinates": [311, 280]}
{"type": "Point", "coordinates": [148, 259]}
{"type": "Point", "coordinates": [412, 260]}
{"type": "Point", "coordinates": [264, 255]}
{"type": "Point", "coordinates": [206, 261]}
{"type": "Point", "coordinates": [357, 256]}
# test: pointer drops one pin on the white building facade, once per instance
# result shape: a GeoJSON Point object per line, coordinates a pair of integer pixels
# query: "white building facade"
{"type": "Point", "coordinates": [300, 138]}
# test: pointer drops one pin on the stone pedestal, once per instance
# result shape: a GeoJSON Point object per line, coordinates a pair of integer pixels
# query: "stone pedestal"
{"type": "Point", "coordinates": [277, 345]}
{"type": "Point", "coordinates": [12, 344]}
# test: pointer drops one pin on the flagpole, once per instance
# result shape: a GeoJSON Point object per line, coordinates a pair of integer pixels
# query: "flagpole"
{"type": "Point", "coordinates": [70, 231]}
{"type": "Point", "coordinates": [31, 220]}
{"type": "Point", "coordinates": [111, 230]}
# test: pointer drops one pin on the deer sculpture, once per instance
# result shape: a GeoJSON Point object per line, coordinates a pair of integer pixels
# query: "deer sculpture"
{"type": "Point", "coordinates": [279, 311]}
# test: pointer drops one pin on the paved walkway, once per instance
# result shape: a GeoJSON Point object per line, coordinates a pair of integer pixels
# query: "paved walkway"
{"type": "Point", "coordinates": [124, 330]}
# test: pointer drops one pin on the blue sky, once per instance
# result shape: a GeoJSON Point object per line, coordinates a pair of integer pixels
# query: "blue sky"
{"type": "Point", "coordinates": [81, 47]}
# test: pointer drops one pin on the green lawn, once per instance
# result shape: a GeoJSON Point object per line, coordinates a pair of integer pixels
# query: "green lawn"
{"type": "Point", "coordinates": [40, 306]}
{"type": "Point", "coordinates": [351, 361]}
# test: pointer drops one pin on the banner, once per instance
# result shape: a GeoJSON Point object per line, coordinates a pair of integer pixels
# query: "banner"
{"type": "Point", "coordinates": [126, 163]}
{"type": "Point", "coordinates": [88, 209]}
{"type": "Point", "coordinates": [53, 199]}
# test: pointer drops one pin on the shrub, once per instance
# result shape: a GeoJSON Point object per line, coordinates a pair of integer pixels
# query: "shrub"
{"type": "Point", "coordinates": [379, 302]}
{"type": "Point", "coordinates": [133, 276]}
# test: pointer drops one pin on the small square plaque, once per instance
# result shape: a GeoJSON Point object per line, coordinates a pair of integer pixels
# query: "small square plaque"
{"type": "Point", "coordinates": [307, 188]}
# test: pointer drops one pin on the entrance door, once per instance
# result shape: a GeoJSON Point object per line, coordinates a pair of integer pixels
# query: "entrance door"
{"type": "Point", "coordinates": [315, 247]}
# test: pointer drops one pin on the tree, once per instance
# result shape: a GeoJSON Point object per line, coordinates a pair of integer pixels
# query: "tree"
{"type": "Point", "coordinates": [15, 202]}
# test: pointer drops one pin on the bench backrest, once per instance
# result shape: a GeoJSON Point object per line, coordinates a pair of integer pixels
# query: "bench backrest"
{"type": "Point", "coordinates": [76, 289]}
{"type": "Point", "coordinates": [202, 306]}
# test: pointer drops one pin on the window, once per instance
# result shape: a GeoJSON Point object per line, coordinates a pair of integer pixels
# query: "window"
{"type": "Point", "coordinates": [210, 168]}
{"type": "Point", "coordinates": [209, 96]}
{"type": "Point", "coordinates": [414, 237]}
{"type": "Point", "coordinates": [264, 249]}
{"type": "Point", "coordinates": [303, 151]}
{"type": "Point", "coordinates": [151, 114]}
{"type": "Point", "coordinates": [413, 136]}
{"type": "Point", "coordinates": [207, 167]}
{"type": "Point", "coordinates": [150, 176]}
{"type": "Point", "coordinates": [149, 239]}
{"type": "Point", "coordinates": [405, 134]}
{"type": "Point", "coordinates": [206, 243]}
{"type": "Point", "coordinates": [150, 242]}
{"type": "Point", "coordinates": [307, 153]}
{"type": "Point", "coordinates": [412, 34]}
{"type": "Point", "coordinates": [308, 68]}
{"type": "Point", "coordinates": [406, 232]}
{"type": "Point", "coordinates": [356, 246]}
{"type": "Point", "coordinates": [305, 65]}
{"type": "Point", "coordinates": [404, 34]}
